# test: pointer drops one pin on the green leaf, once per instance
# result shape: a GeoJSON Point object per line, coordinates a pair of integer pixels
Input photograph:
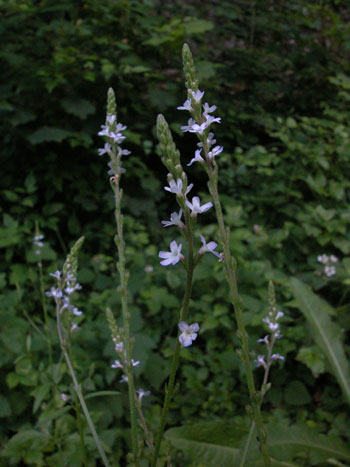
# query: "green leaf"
{"type": "Point", "coordinates": [46, 133]}
{"type": "Point", "coordinates": [327, 334]}
{"type": "Point", "coordinates": [197, 26]}
{"type": "Point", "coordinates": [80, 108]}
{"type": "Point", "coordinates": [297, 394]}
{"type": "Point", "coordinates": [102, 394]}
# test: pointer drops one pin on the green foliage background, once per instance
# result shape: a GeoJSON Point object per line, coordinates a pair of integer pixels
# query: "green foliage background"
{"type": "Point", "coordinates": [279, 75]}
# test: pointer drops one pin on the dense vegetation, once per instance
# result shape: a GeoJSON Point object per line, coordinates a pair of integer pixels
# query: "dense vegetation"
{"type": "Point", "coordinates": [279, 75]}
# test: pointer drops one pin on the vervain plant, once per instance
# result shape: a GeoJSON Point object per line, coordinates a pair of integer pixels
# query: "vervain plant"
{"type": "Point", "coordinates": [188, 253]}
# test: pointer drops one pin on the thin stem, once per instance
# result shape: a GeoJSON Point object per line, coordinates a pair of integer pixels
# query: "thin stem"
{"type": "Point", "coordinates": [246, 447]}
{"type": "Point", "coordinates": [170, 387]}
{"type": "Point", "coordinates": [78, 390]}
{"type": "Point", "coordinates": [80, 430]}
{"type": "Point", "coordinates": [143, 424]}
{"type": "Point", "coordinates": [126, 316]}
{"type": "Point", "coordinates": [46, 317]}
{"type": "Point", "coordinates": [229, 265]}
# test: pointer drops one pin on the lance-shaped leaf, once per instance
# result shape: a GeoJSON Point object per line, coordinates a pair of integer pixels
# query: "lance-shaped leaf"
{"type": "Point", "coordinates": [327, 333]}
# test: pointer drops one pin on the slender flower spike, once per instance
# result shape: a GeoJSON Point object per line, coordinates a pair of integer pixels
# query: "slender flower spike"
{"type": "Point", "coordinates": [195, 206]}
{"type": "Point", "coordinates": [189, 333]}
{"type": "Point", "coordinates": [175, 219]}
{"type": "Point", "coordinates": [197, 157]}
{"type": "Point", "coordinates": [173, 256]}
{"type": "Point", "coordinates": [208, 247]}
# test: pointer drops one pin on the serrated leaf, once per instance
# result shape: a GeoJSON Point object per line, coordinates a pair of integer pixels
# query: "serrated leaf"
{"type": "Point", "coordinates": [327, 334]}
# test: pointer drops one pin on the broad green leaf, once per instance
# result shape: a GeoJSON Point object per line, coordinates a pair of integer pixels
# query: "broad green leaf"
{"type": "Point", "coordinates": [80, 108]}
{"type": "Point", "coordinates": [217, 444]}
{"type": "Point", "coordinates": [327, 334]}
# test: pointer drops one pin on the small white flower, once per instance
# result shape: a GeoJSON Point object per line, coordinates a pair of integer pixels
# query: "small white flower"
{"type": "Point", "coordinates": [279, 315]}
{"type": "Point", "coordinates": [106, 149]}
{"type": "Point", "coordinates": [64, 397]}
{"type": "Point", "coordinates": [189, 333]}
{"type": "Point", "coordinates": [190, 123]}
{"type": "Point", "coordinates": [265, 340]}
{"type": "Point", "coordinates": [208, 247]}
{"type": "Point", "coordinates": [196, 128]}
{"type": "Point", "coordinates": [55, 293]}
{"type": "Point", "coordinates": [214, 152]}
{"type": "Point", "coordinates": [116, 364]}
{"type": "Point", "coordinates": [195, 206]}
{"type": "Point", "coordinates": [104, 131]}
{"type": "Point", "coordinates": [120, 127]}
{"type": "Point", "coordinates": [186, 106]}
{"type": "Point", "coordinates": [330, 271]}
{"type": "Point", "coordinates": [119, 347]}
{"type": "Point", "coordinates": [272, 326]}
{"type": "Point", "coordinates": [323, 259]}
{"type": "Point", "coordinates": [197, 96]}
{"type": "Point", "coordinates": [74, 327]}
{"type": "Point", "coordinates": [141, 393]}
{"type": "Point", "coordinates": [137, 363]}
{"type": "Point", "coordinates": [277, 356]}
{"type": "Point", "coordinates": [56, 275]}
{"type": "Point", "coordinates": [260, 361]}
{"type": "Point", "coordinates": [175, 219]}
{"type": "Point", "coordinates": [174, 187]}
{"type": "Point", "coordinates": [197, 157]}
{"type": "Point", "coordinates": [210, 119]}
{"type": "Point", "coordinates": [207, 109]}
{"type": "Point", "coordinates": [76, 312]}
{"type": "Point", "coordinates": [124, 379]}
{"type": "Point", "coordinates": [111, 119]}
{"type": "Point", "coordinates": [173, 256]}
{"type": "Point", "coordinates": [117, 137]}
{"type": "Point", "coordinates": [333, 259]}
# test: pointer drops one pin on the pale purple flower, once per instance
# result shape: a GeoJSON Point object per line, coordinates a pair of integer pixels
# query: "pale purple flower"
{"type": "Point", "coordinates": [64, 396]}
{"type": "Point", "coordinates": [137, 363]}
{"type": "Point", "coordinates": [186, 106]}
{"type": "Point", "coordinates": [211, 119]}
{"type": "Point", "coordinates": [124, 379]}
{"type": "Point", "coordinates": [56, 275]}
{"type": "Point", "coordinates": [117, 137]}
{"type": "Point", "coordinates": [214, 152]}
{"type": "Point", "coordinates": [277, 356]}
{"type": "Point", "coordinates": [208, 247]}
{"type": "Point", "coordinates": [189, 333]}
{"type": "Point", "coordinates": [272, 326]}
{"type": "Point", "coordinates": [330, 271]}
{"type": "Point", "coordinates": [197, 157]}
{"type": "Point", "coordinates": [173, 256]}
{"type": "Point", "coordinates": [265, 340]}
{"type": "Point", "coordinates": [55, 293]}
{"type": "Point", "coordinates": [196, 128]}
{"type": "Point", "coordinates": [117, 364]}
{"type": "Point", "coordinates": [197, 95]}
{"type": "Point", "coordinates": [106, 149]}
{"type": "Point", "coordinates": [76, 312]}
{"type": "Point", "coordinates": [104, 131]}
{"type": "Point", "coordinates": [260, 361]}
{"type": "Point", "coordinates": [119, 347]}
{"type": "Point", "coordinates": [174, 187]}
{"type": "Point", "coordinates": [74, 327]}
{"type": "Point", "coordinates": [175, 219]}
{"type": "Point", "coordinates": [195, 206]}
{"type": "Point", "coordinates": [141, 393]}
{"type": "Point", "coordinates": [190, 123]}
{"type": "Point", "coordinates": [207, 109]}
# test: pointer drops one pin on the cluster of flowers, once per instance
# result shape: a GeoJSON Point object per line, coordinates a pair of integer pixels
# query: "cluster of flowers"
{"type": "Point", "coordinates": [328, 262]}
{"type": "Point", "coordinates": [112, 131]}
{"type": "Point", "coordinates": [269, 340]}
{"type": "Point", "coordinates": [199, 124]}
{"type": "Point", "coordinates": [66, 285]}
{"type": "Point", "coordinates": [38, 243]}
{"type": "Point", "coordinates": [122, 363]}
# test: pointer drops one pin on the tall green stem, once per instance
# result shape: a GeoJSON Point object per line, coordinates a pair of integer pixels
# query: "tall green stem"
{"type": "Point", "coordinates": [170, 387]}
{"type": "Point", "coordinates": [126, 315]}
{"type": "Point", "coordinates": [229, 265]}
{"type": "Point", "coordinates": [78, 389]}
